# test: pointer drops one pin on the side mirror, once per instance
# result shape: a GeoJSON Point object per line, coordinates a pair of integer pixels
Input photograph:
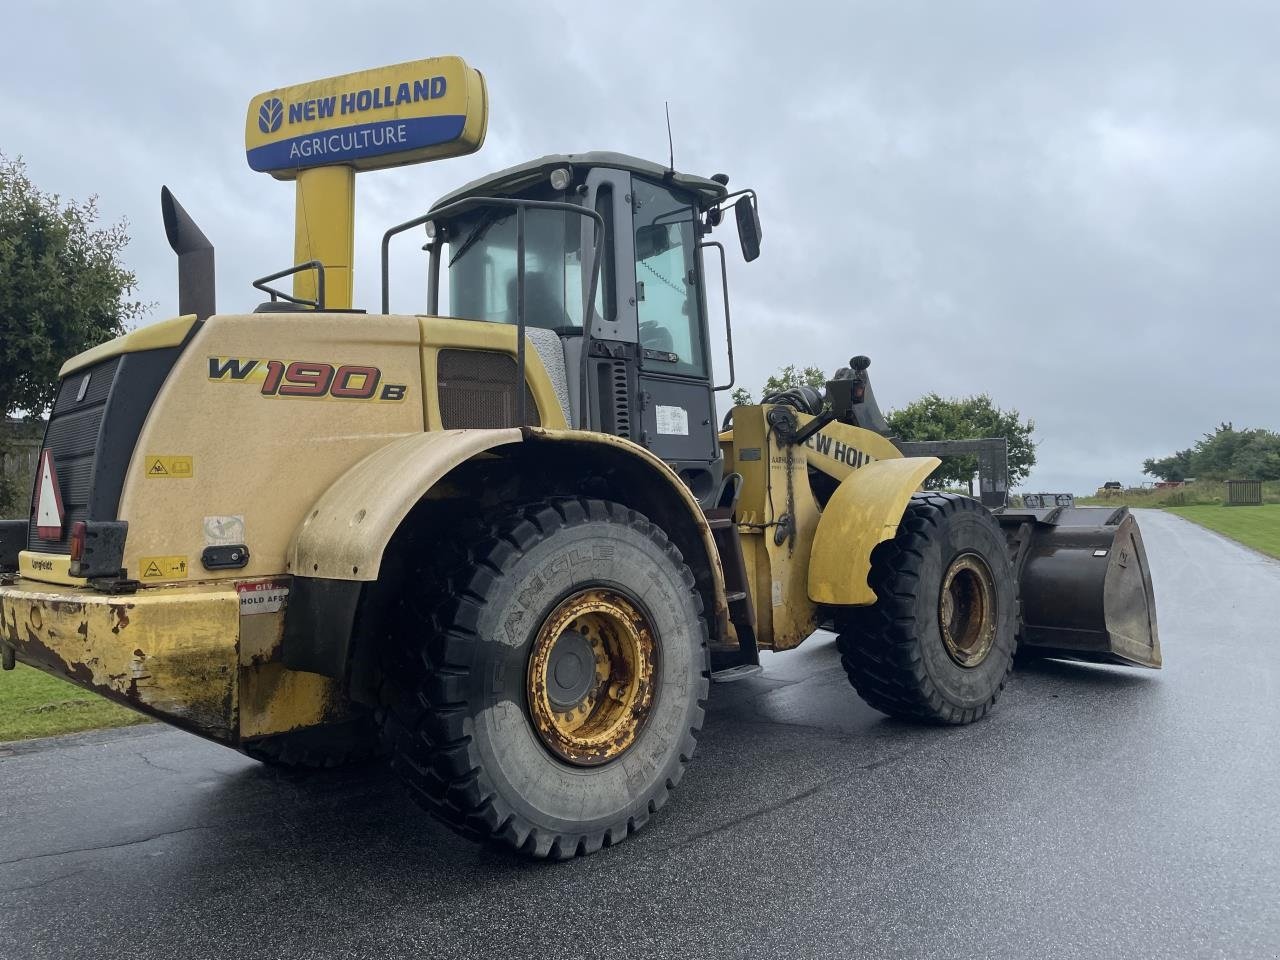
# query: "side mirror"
{"type": "Point", "coordinates": [748, 227]}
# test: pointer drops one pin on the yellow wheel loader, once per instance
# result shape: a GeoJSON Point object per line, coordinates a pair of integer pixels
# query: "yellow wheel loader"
{"type": "Point", "coordinates": [506, 542]}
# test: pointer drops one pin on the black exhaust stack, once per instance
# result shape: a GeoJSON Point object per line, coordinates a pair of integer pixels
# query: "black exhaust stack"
{"type": "Point", "coordinates": [195, 259]}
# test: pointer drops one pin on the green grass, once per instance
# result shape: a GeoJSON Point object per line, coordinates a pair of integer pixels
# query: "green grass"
{"type": "Point", "coordinates": [1257, 527]}
{"type": "Point", "coordinates": [34, 704]}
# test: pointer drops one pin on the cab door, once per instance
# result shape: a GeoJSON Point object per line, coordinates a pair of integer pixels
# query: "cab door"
{"type": "Point", "coordinates": [675, 391]}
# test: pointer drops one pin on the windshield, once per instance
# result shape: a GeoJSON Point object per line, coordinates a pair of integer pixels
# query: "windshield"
{"type": "Point", "coordinates": [482, 268]}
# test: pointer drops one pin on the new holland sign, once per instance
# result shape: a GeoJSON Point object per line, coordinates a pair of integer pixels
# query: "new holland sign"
{"type": "Point", "coordinates": [423, 110]}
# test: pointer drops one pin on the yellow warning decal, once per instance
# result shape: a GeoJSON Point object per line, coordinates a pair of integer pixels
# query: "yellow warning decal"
{"type": "Point", "coordinates": [163, 568]}
{"type": "Point", "coordinates": [180, 468]}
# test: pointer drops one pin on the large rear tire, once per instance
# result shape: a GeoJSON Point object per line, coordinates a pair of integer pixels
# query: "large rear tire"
{"type": "Point", "coordinates": [551, 698]}
{"type": "Point", "coordinates": [939, 642]}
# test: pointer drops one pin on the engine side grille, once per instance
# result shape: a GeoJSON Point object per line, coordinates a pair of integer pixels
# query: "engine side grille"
{"type": "Point", "coordinates": [72, 437]}
{"type": "Point", "coordinates": [621, 400]}
{"type": "Point", "coordinates": [612, 382]}
{"type": "Point", "coordinates": [477, 389]}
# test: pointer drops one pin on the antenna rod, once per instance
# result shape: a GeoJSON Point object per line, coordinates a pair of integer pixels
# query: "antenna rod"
{"type": "Point", "coordinates": [671, 147]}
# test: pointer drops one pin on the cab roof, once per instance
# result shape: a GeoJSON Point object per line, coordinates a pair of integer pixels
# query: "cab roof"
{"type": "Point", "coordinates": [514, 179]}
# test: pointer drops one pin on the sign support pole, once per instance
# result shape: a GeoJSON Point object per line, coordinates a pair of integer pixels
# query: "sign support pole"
{"type": "Point", "coordinates": [325, 231]}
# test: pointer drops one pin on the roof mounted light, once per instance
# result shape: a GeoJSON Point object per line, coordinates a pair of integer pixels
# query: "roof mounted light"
{"type": "Point", "coordinates": [430, 227]}
{"type": "Point", "coordinates": [560, 178]}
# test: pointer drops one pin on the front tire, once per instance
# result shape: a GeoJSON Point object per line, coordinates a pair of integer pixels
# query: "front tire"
{"type": "Point", "coordinates": [551, 698]}
{"type": "Point", "coordinates": [939, 642]}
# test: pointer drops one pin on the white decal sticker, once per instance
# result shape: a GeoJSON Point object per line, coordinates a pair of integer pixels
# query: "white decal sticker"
{"type": "Point", "coordinates": [777, 593]}
{"type": "Point", "coordinates": [673, 420]}
{"type": "Point", "coordinates": [267, 596]}
{"type": "Point", "coordinates": [223, 531]}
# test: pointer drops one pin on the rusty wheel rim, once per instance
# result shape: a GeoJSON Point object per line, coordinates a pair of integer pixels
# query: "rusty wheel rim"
{"type": "Point", "coordinates": [967, 610]}
{"type": "Point", "coordinates": [591, 676]}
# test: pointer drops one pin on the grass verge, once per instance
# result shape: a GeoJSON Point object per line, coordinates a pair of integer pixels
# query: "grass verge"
{"type": "Point", "coordinates": [1257, 527]}
{"type": "Point", "coordinates": [1201, 492]}
{"type": "Point", "coordinates": [34, 704]}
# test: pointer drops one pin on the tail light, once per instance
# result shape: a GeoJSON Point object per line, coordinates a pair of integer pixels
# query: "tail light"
{"type": "Point", "coordinates": [78, 531]}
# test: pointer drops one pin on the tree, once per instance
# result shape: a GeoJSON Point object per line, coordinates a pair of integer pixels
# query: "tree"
{"type": "Point", "coordinates": [784, 379]}
{"type": "Point", "coordinates": [1176, 467]}
{"type": "Point", "coordinates": [966, 418]}
{"type": "Point", "coordinates": [63, 289]}
{"type": "Point", "coordinates": [1227, 453]}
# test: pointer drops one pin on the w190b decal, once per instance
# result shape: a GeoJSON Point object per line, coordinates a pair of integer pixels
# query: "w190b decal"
{"type": "Point", "coordinates": [303, 378]}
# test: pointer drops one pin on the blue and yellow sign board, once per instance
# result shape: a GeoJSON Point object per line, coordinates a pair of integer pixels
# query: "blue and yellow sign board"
{"type": "Point", "coordinates": [423, 110]}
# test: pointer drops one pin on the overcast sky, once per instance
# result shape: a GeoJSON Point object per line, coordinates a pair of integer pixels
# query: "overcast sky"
{"type": "Point", "coordinates": [1071, 206]}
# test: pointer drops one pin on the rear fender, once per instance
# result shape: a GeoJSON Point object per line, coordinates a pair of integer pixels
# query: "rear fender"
{"type": "Point", "coordinates": [344, 535]}
{"type": "Point", "coordinates": [865, 510]}
{"type": "Point", "coordinates": [338, 549]}
{"type": "Point", "coordinates": [340, 546]}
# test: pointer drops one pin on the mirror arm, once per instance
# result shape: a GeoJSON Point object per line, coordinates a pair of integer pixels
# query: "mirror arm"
{"type": "Point", "coordinates": [723, 202]}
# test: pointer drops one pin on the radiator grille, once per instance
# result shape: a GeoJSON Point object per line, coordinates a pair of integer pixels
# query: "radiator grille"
{"type": "Point", "coordinates": [477, 389]}
{"type": "Point", "coordinates": [72, 437]}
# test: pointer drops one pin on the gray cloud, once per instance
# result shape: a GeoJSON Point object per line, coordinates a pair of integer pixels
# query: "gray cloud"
{"type": "Point", "coordinates": [1071, 206]}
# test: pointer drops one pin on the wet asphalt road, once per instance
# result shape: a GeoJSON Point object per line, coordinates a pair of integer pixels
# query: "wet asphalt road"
{"type": "Point", "coordinates": [1098, 812]}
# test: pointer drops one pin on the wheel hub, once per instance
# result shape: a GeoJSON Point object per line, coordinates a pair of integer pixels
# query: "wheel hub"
{"type": "Point", "coordinates": [591, 676]}
{"type": "Point", "coordinates": [967, 610]}
{"type": "Point", "coordinates": [571, 670]}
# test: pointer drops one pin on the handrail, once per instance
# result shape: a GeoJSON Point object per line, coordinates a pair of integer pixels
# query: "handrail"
{"type": "Point", "coordinates": [728, 327]}
{"type": "Point", "coordinates": [316, 265]}
{"type": "Point", "coordinates": [520, 206]}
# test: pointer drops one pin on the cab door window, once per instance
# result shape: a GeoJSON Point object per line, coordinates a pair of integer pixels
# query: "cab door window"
{"type": "Point", "coordinates": [666, 282]}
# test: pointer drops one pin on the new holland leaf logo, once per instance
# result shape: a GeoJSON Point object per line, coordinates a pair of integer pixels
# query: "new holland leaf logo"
{"type": "Point", "coordinates": [270, 115]}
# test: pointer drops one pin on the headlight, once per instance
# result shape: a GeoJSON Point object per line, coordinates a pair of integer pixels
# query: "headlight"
{"type": "Point", "coordinates": [560, 178]}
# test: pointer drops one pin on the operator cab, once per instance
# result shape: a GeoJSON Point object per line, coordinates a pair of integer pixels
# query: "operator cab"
{"type": "Point", "coordinates": [627, 349]}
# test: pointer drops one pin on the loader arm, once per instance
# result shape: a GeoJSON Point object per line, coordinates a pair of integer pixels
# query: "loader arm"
{"type": "Point", "coordinates": [838, 449]}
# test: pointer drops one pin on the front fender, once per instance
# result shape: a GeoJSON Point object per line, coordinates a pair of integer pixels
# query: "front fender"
{"type": "Point", "coordinates": [865, 510]}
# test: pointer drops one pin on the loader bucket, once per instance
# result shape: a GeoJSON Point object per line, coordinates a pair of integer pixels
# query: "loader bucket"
{"type": "Point", "coordinates": [1084, 585]}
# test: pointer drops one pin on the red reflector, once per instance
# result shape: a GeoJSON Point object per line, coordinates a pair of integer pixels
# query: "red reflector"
{"type": "Point", "coordinates": [77, 541]}
{"type": "Point", "coordinates": [859, 392]}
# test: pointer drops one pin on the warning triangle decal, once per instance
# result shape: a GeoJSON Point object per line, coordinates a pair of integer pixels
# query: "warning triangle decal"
{"type": "Point", "coordinates": [157, 469]}
{"type": "Point", "coordinates": [153, 570]}
{"type": "Point", "coordinates": [49, 512]}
